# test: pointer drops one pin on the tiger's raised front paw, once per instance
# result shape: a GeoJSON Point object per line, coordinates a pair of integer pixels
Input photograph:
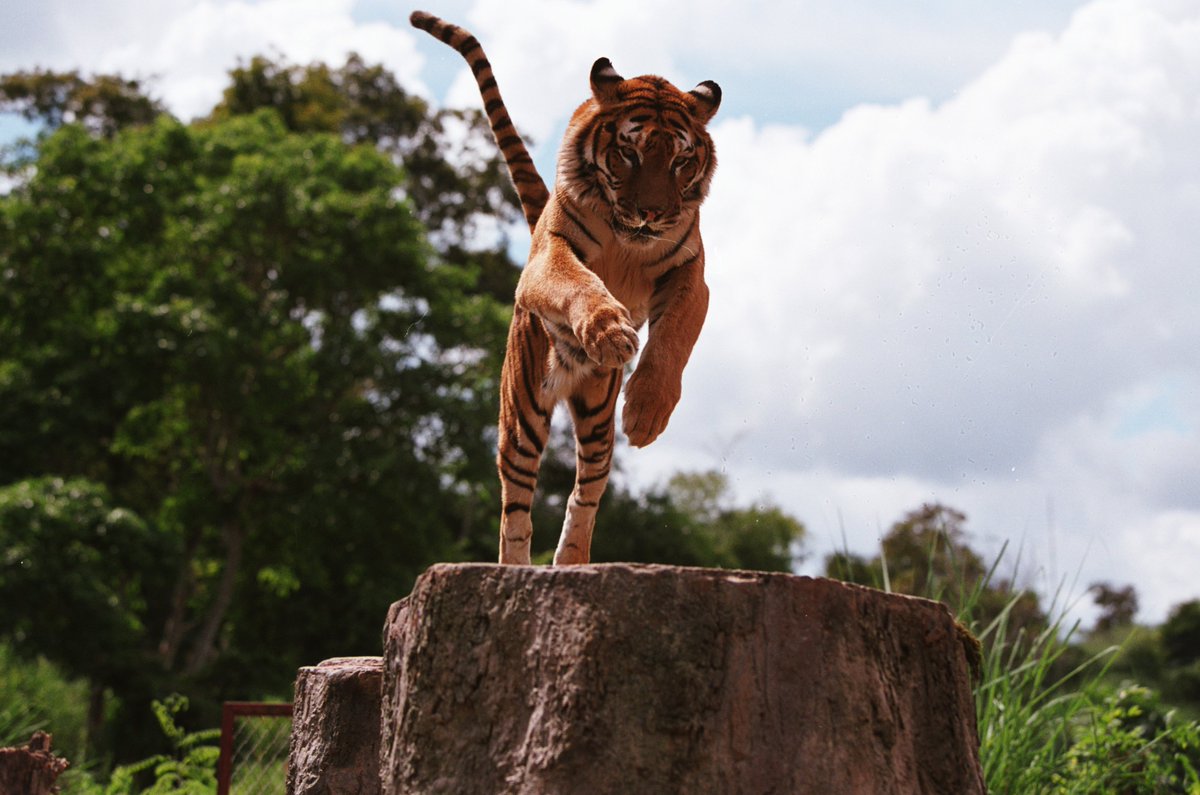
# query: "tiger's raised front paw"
{"type": "Point", "coordinates": [608, 337]}
{"type": "Point", "coordinates": [648, 406]}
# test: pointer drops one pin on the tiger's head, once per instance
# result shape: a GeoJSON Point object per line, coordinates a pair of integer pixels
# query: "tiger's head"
{"type": "Point", "coordinates": [640, 147]}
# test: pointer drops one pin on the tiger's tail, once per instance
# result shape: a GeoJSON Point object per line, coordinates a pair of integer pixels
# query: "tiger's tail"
{"type": "Point", "coordinates": [530, 187]}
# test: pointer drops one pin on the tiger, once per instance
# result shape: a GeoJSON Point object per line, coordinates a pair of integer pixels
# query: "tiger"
{"type": "Point", "coordinates": [616, 245]}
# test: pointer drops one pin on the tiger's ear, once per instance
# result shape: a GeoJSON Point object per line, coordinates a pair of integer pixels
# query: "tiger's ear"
{"type": "Point", "coordinates": [708, 99]}
{"type": "Point", "coordinates": [605, 81]}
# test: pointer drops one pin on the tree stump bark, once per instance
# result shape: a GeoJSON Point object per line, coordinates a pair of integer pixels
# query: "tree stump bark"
{"type": "Point", "coordinates": [31, 770]}
{"type": "Point", "coordinates": [335, 728]}
{"type": "Point", "coordinates": [655, 679]}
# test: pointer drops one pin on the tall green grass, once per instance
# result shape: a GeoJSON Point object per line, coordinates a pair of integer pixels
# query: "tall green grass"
{"type": "Point", "coordinates": [1051, 721]}
{"type": "Point", "coordinates": [1026, 703]}
{"type": "Point", "coordinates": [17, 722]}
{"type": "Point", "coordinates": [34, 695]}
{"type": "Point", "coordinates": [1052, 713]}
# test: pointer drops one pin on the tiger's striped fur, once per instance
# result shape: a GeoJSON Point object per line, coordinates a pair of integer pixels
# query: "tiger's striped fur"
{"type": "Point", "coordinates": [616, 245]}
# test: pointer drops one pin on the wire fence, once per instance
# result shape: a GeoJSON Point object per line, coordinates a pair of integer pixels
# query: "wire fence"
{"type": "Point", "coordinates": [254, 748]}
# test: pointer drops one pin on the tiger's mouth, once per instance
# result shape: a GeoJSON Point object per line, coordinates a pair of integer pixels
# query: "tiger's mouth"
{"type": "Point", "coordinates": [640, 233]}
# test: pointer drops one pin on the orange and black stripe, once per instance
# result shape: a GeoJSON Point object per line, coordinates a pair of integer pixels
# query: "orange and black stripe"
{"type": "Point", "coordinates": [530, 187]}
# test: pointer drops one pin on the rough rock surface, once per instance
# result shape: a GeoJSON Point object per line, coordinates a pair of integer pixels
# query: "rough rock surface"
{"type": "Point", "coordinates": [655, 679]}
{"type": "Point", "coordinates": [335, 728]}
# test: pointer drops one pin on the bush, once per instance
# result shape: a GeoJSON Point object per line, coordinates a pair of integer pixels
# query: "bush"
{"type": "Point", "coordinates": [189, 769]}
{"type": "Point", "coordinates": [1049, 722]}
{"type": "Point", "coordinates": [1124, 742]}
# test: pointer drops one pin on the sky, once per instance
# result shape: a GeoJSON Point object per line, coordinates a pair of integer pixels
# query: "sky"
{"type": "Point", "coordinates": [952, 245]}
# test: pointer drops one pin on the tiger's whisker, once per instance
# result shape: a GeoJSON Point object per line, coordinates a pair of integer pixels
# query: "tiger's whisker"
{"type": "Point", "coordinates": [679, 243]}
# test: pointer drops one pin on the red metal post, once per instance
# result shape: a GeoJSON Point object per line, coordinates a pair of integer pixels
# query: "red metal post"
{"type": "Point", "coordinates": [225, 760]}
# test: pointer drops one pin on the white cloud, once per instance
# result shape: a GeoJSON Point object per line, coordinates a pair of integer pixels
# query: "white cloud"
{"type": "Point", "coordinates": [1164, 547]}
{"type": "Point", "coordinates": [780, 57]}
{"type": "Point", "coordinates": [986, 296]}
{"type": "Point", "coordinates": [188, 47]}
{"type": "Point", "coordinates": [966, 300]}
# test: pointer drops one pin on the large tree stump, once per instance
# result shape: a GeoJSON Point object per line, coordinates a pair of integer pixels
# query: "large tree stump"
{"type": "Point", "coordinates": [335, 728]}
{"type": "Point", "coordinates": [31, 770]}
{"type": "Point", "coordinates": [654, 679]}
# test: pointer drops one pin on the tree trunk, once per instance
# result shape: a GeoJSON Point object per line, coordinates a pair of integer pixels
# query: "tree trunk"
{"type": "Point", "coordinates": [31, 770]}
{"type": "Point", "coordinates": [97, 703]}
{"type": "Point", "coordinates": [204, 652]}
{"type": "Point", "coordinates": [654, 679]}
{"type": "Point", "coordinates": [176, 626]}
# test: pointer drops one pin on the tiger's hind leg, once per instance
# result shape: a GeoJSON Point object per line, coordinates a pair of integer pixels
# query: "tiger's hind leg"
{"type": "Point", "coordinates": [593, 405]}
{"type": "Point", "coordinates": [525, 410]}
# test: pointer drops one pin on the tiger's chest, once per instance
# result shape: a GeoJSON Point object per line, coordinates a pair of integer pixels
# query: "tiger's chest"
{"type": "Point", "coordinates": [628, 284]}
{"type": "Point", "coordinates": [631, 274]}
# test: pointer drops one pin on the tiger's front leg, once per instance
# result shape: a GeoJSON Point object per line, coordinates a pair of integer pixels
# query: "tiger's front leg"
{"type": "Point", "coordinates": [558, 288]}
{"type": "Point", "coordinates": [677, 311]}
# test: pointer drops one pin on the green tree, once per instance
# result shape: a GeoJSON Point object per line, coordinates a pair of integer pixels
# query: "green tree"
{"type": "Point", "coordinates": [237, 332]}
{"type": "Point", "coordinates": [692, 520]}
{"type": "Point", "coordinates": [661, 526]}
{"type": "Point", "coordinates": [74, 581]}
{"type": "Point", "coordinates": [453, 174]}
{"type": "Point", "coordinates": [759, 537]}
{"type": "Point", "coordinates": [926, 554]}
{"type": "Point", "coordinates": [1181, 633]}
{"type": "Point", "coordinates": [103, 104]}
{"type": "Point", "coordinates": [454, 178]}
{"type": "Point", "coordinates": [1180, 642]}
{"type": "Point", "coordinates": [1118, 606]}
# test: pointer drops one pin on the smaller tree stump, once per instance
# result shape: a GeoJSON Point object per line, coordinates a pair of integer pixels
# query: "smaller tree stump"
{"type": "Point", "coordinates": [335, 728]}
{"type": "Point", "coordinates": [31, 770]}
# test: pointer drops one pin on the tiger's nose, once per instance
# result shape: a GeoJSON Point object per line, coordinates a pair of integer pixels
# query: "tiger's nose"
{"type": "Point", "coordinates": [649, 215]}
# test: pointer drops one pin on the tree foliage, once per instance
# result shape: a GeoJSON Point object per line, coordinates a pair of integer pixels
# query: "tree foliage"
{"type": "Point", "coordinates": [236, 333]}
{"type": "Point", "coordinates": [692, 520]}
{"type": "Point", "coordinates": [1128, 742]}
{"type": "Point", "coordinates": [1118, 606]}
{"type": "Point", "coordinates": [454, 177]}
{"type": "Point", "coordinates": [1181, 633]}
{"type": "Point", "coordinates": [188, 767]}
{"type": "Point", "coordinates": [926, 554]}
{"type": "Point", "coordinates": [73, 578]}
{"type": "Point", "coordinates": [103, 104]}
